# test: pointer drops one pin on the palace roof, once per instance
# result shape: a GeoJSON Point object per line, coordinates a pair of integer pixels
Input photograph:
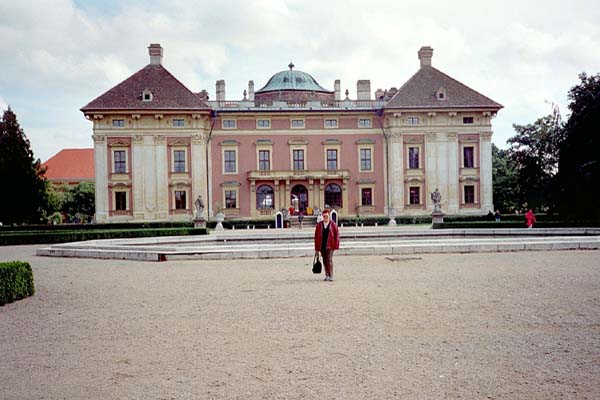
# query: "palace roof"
{"type": "Point", "coordinates": [151, 88]}
{"type": "Point", "coordinates": [431, 88]}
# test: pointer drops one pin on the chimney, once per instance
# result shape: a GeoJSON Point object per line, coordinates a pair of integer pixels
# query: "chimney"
{"type": "Point", "coordinates": [221, 90]}
{"type": "Point", "coordinates": [336, 89]}
{"type": "Point", "coordinates": [363, 89]}
{"type": "Point", "coordinates": [425, 55]}
{"type": "Point", "coordinates": [251, 90]}
{"type": "Point", "coordinates": [379, 94]}
{"type": "Point", "coordinates": [156, 53]}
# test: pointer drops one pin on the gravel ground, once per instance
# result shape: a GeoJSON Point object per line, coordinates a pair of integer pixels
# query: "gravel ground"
{"type": "Point", "coordinates": [473, 326]}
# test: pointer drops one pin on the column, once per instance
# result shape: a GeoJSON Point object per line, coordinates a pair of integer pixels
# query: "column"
{"type": "Point", "coordinates": [137, 177]}
{"type": "Point", "coordinates": [198, 166]}
{"type": "Point", "coordinates": [485, 145]}
{"type": "Point", "coordinates": [149, 150]}
{"type": "Point", "coordinates": [101, 178]}
{"type": "Point", "coordinates": [396, 169]}
{"type": "Point", "coordinates": [162, 178]}
{"type": "Point", "coordinates": [453, 184]}
{"type": "Point", "coordinates": [432, 180]}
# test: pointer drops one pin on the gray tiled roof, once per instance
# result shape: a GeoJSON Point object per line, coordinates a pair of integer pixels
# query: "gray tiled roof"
{"type": "Point", "coordinates": [167, 93]}
{"type": "Point", "coordinates": [421, 89]}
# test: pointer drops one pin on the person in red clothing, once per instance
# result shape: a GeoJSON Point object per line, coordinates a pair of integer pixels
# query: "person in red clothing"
{"type": "Point", "coordinates": [529, 219]}
{"type": "Point", "coordinates": [327, 239]}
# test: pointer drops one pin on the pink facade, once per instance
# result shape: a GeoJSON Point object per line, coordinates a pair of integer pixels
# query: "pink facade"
{"type": "Point", "coordinates": [295, 160]}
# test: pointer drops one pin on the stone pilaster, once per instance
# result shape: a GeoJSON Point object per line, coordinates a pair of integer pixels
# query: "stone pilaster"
{"type": "Point", "coordinates": [198, 165]}
{"type": "Point", "coordinates": [137, 177]}
{"type": "Point", "coordinates": [101, 183]}
{"type": "Point", "coordinates": [485, 145]}
{"type": "Point", "coordinates": [396, 171]}
{"type": "Point", "coordinates": [432, 179]}
{"type": "Point", "coordinates": [453, 184]}
{"type": "Point", "coordinates": [162, 177]}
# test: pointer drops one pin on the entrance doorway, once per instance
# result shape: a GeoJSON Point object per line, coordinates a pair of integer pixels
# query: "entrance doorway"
{"type": "Point", "coordinates": [299, 198]}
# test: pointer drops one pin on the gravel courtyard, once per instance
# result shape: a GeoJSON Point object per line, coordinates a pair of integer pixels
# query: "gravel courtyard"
{"type": "Point", "coordinates": [471, 326]}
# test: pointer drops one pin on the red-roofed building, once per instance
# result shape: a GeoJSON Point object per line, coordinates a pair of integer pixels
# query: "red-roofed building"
{"type": "Point", "coordinates": [71, 166]}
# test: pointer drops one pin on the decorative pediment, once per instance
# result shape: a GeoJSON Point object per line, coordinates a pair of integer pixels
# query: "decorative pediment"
{"type": "Point", "coordinates": [263, 142]}
{"type": "Point", "coordinates": [229, 142]}
{"type": "Point", "coordinates": [178, 143]}
{"type": "Point", "coordinates": [331, 142]}
{"type": "Point", "coordinates": [414, 179]}
{"type": "Point", "coordinates": [119, 143]}
{"type": "Point", "coordinates": [365, 141]}
{"type": "Point", "coordinates": [298, 141]}
{"type": "Point", "coordinates": [230, 184]}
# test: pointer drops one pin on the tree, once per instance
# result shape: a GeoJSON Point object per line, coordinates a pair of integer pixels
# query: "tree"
{"type": "Point", "coordinates": [579, 175]}
{"type": "Point", "coordinates": [504, 181]}
{"type": "Point", "coordinates": [534, 154]}
{"type": "Point", "coordinates": [79, 202]}
{"type": "Point", "coordinates": [21, 176]}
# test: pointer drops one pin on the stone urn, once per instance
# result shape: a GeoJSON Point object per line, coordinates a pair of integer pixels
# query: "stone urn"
{"type": "Point", "coordinates": [219, 217]}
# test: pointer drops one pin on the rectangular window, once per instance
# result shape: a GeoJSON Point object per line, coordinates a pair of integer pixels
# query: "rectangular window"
{"type": "Point", "coordinates": [120, 162]}
{"type": "Point", "coordinates": [264, 160]}
{"type": "Point", "coordinates": [263, 123]}
{"type": "Point", "coordinates": [118, 123]}
{"type": "Point", "coordinates": [230, 199]}
{"type": "Point", "coordinates": [229, 124]}
{"type": "Point", "coordinates": [469, 194]}
{"type": "Point", "coordinates": [365, 159]}
{"type": "Point", "coordinates": [331, 123]}
{"type": "Point", "coordinates": [468, 157]}
{"type": "Point", "coordinates": [413, 157]}
{"type": "Point", "coordinates": [332, 159]}
{"type": "Point", "coordinates": [229, 161]}
{"type": "Point", "coordinates": [366, 197]}
{"type": "Point", "coordinates": [297, 123]}
{"type": "Point", "coordinates": [364, 123]}
{"type": "Point", "coordinates": [179, 161]}
{"type": "Point", "coordinates": [414, 195]}
{"type": "Point", "coordinates": [121, 201]}
{"type": "Point", "coordinates": [298, 160]}
{"type": "Point", "coordinates": [178, 122]}
{"type": "Point", "coordinates": [412, 120]}
{"type": "Point", "coordinates": [467, 120]}
{"type": "Point", "coordinates": [180, 201]}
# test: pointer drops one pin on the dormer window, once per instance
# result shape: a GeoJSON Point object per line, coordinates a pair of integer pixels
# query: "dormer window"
{"type": "Point", "coordinates": [441, 94]}
{"type": "Point", "coordinates": [147, 95]}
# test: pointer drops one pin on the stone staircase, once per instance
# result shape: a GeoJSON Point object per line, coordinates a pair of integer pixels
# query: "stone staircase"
{"type": "Point", "coordinates": [309, 221]}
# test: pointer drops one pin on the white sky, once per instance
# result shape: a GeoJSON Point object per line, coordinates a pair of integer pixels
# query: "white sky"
{"type": "Point", "coordinates": [58, 55]}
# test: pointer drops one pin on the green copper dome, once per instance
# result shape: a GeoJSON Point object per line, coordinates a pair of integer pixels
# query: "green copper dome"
{"type": "Point", "coordinates": [292, 80]}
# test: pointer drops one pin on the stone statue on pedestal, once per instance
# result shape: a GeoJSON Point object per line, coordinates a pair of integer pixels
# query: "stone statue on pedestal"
{"type": "Point", "coordinates": [436, 197]}
{"type": "Point", "coordinates": [199, 207]}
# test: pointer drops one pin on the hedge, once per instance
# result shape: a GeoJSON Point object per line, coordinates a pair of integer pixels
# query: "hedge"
{"type": "Point", "coordinates": [37, 237]}
{"type": "Point", "coordinates": [98, 226]}
{"type": "Point", "coordinates": [16, 281]}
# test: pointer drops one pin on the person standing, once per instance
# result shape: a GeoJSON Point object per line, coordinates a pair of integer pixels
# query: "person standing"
{"type": "Point", "coordinates": [529, 219]}
{"type": "Point", "coordinates": [327, 240]}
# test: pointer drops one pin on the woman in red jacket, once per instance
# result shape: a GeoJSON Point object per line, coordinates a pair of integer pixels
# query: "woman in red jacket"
{"type": "Point", "coordinates": [327, 239]}
{"type": "Point", "coordinates": [529, 219]}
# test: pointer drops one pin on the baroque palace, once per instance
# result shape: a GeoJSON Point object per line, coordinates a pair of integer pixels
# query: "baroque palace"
{"type": "Point", "coordinates": [158, 146]}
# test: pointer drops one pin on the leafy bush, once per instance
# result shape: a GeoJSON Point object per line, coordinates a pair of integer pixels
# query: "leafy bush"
{"type": "Point", "coordinates": [16, 281]}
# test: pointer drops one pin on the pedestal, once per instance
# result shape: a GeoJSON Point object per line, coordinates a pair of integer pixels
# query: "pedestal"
{"type": "Point", "coordinates": [200, 222]}
{"type": "Point", "coordinates": [437, 217]}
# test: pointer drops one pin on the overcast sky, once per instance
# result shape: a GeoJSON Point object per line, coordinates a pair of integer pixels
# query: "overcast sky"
{"type": "Point", "coordinates": [58, 55]}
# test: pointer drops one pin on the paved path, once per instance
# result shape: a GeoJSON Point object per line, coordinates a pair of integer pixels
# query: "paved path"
{"type": "Point", "coordinates": [431, 326]}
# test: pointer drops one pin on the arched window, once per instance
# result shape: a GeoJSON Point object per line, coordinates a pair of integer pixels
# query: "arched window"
{"type": "Point", "coordinates": [265, 198]}
{"type": "Point", "coordinates": [333, 195]}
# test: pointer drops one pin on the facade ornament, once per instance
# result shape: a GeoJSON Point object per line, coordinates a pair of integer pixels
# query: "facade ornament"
{"type": "Point", "coordinates": [138, 139]}
{"type": "Point", "coordinates": [486, 136]}
{"type": "Point", "coordinates": [452, 136]}
{"type": "Point", "coordinates": [136, 116]}
{"type": "Point", "coordinates": [431, 136]}
{"type": "Point", "coordinates": [431, 113]}
{"type": "Point", "coordinates": [347, 94]}
{"type": "Point", "coordinates": [436, 197]}
{"type": "Point", "coordinates": [199, 204]}
{"type": "Point", "coordinates": [452, 114]}
{"type": "Point", "coordinates": [99, 139]}
{"type": "Point", "coordinates": [198, 139]}
{"type": "Point", "coordinates": [159, 139]}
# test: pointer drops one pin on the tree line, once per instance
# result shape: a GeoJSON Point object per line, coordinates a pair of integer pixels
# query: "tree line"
{"type": "Point", "coordinates": [550, 166]}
